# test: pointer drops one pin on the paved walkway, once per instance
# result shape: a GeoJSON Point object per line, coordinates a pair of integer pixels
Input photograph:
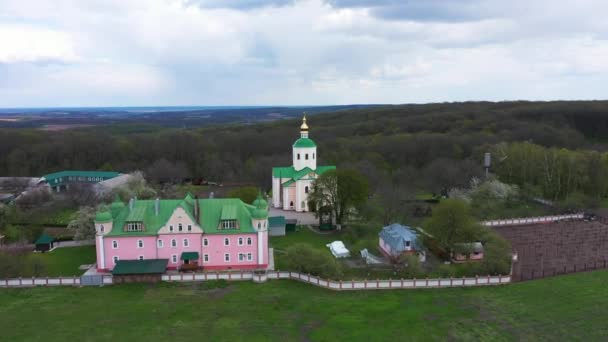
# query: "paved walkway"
{"type": "Point", "coordinates": [62, 244]}
{"type": "Point", "coordinates": [303, 218]}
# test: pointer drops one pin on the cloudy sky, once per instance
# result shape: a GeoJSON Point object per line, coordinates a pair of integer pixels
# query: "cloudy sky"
{"type": "Point", "coordinates": [299, 52]}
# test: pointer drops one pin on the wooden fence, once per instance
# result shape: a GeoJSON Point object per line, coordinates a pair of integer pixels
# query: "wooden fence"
{"type": "Point", "coordinates": [344, 285]}
{"type": "Point", "coordinates": [531, 220]}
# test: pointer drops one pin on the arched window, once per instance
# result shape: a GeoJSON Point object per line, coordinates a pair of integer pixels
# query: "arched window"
{"type": "Point", "coordinates": [170, 228]}
{"type": "Point", "coordinates": [259, 225]}
{"type": "Point", "coordinates": [101, 228]}
{"type": "Point", "coordinates": [179, 227]}
{"type": "Point", "coordinates": [173, 243]}
{"type": "Point", "coordinates": [140, 244]}
{"type": "Point", "coordinates": [298, 156]}
{"type": "Point", "coordinates": [306, 156]}
{"type": "Point", "coordinates": [226, 242]}
{"type": "Point", "coordinates": [291, 204]}
{"type": "Point", "coordinates": [313, 156]}
{"type": "Point", "coordinates": [306, 189]}
{"type": "Point", "coordinates": [249, 241]}
{"type": "Point", "coordinates": [205, 242]}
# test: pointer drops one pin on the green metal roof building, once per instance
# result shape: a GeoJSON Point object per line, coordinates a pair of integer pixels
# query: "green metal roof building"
{"type": "Point", "coordinates": [60, 181]}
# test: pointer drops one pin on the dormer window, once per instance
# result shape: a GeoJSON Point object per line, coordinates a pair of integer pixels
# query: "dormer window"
{"type": "Point", "coordinates": [179, 227]}
{"type": "Point", "coordinates": [229, 224]}
{"type": "Point", "coordinates": [134, 227]}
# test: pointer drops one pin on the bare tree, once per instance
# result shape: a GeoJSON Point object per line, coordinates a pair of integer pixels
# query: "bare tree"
{"type": "Point", "coordinates": [15, 185]}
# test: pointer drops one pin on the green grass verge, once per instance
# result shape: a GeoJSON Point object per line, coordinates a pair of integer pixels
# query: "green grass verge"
{"type": "Point", "coordinates": [564, 308]}
{"type": "Point", "coordinates": [64, 261]}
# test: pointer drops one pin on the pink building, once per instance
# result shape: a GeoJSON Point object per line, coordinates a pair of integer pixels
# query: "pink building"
{"type": "Point", "coordinates": [212, 234]}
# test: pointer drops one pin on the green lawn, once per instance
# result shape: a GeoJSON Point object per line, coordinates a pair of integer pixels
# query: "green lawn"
{"type": "Point", "coordinates": [65, 261]}
{"type": "Point", "coordinates": [563, 308]}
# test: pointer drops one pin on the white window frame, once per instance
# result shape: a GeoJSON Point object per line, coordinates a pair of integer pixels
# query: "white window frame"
{"type": "Point", "coordinates": [170, 228]}
{"type": "Point", "coordinates": [173, 243]}
{"type": "Point", "coordinates": [249, 256]}
{"type": "Point", "coordinates": [101, 228]}
{"type": "Point", "coordinates": [205, 242]}
{"type": "Point", "coordinates": [249, 241]}
{"type": "Point", "coordinates": [189, 227]}
{"type": "Point", "coordinates": [241, 242]}
{"type": "Point", "coordinates": [226, 241]}
{"type": "Point", "coordinates": [140, 243]}
{"type": "Point", "coordinates": [226, 257]}
{"type": "Point", "coordinates": [115, 259]}
{"type": "Point", "coordinates": [186, 243]}
{"type": "Point", "coordinates": [174, 258]}
{"type": "Point", "coordinates": [205, 257]}
{"type": "Point", "coordinates": [114, 244]}
{"type": "Point", "coordinates": [141, 257]}
{"type": "Point", "coordinates": [180, 227]}
{"type": "Point", "coordinates": [241, 257]}
{"type": "Point", "coordinates": [160, 243]}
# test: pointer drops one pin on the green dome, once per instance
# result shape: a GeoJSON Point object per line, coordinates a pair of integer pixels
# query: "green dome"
{"type": "Point", "coordinates": [304, 142]}
{"type": "Point", "coordinates": [260, 203]}
{"type": "Point", "coordinates": [103, 216]}
{"type": "Point", "coordinates": [259, 214]}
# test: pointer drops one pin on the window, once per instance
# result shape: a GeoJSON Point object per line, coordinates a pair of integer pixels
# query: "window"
{"type": "Point", "coordinates": [173, 243]}
{"type": "Point", "coordinates": [249, 256]}
{"type": "Point", "coordinates": [205, 242]}
{"type": "Point", "coordinates": [101, 228]}
{"type": "Point", "coordinates": [298, 156]}
{"type": "Point", "coordinates": [189, 227]}
{"type": "Point", "coordinates": [179, 227]}
{"type": "Point", "coordinates": [115, 259]}
{"type": "Point", "coordinates": [134, 227]}
{"type": "Point", "coordinates": [249, 241]}
{"type": "Point", "coordinates": [174, 258]}
{"type": "Point", "coordinates": [259, 225]}
{"type": "Point", "coordinates": [140, 244]}
{"type": "Point", "coordinates": [227, 257]}
{"type": "Point", "coordinates": [159, 243]}
{"type": "Point", "coordinates": [170, 228]}
{"type": "Point", "coordinates": [226, 242]}
{"type": "Point", "coordinates": [306, 189]}
{"type": "Point", "coordinates": [186, 243]}
{"type": "Point", "coordinates": [229, 224]}
{"type": "Point", "coordinates": [240, 241]}
{"type": "Point", "coordinates": [306, 156]}
{"type": "Point", "coordinates": [114, 244]}
{"type": "Point", "coordinates": [141, 257]}
{"type": "Point", "coordinates": [407, 243]}
{"type": "Point", "coordinates": [241, 257]}
{"type": "Point", "coordinates": [205, 257]}
{"type": "Point", "coordinates": [313, 156]}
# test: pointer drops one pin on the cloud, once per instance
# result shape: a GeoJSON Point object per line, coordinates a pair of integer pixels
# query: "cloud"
{"type": "Point", "coordinates": [30, 44]}
{"type": "Point", "coordinates": [186, 52]}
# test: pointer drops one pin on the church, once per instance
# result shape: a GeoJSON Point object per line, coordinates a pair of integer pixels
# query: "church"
{"type": "Point", "coordinates": [291, 184]}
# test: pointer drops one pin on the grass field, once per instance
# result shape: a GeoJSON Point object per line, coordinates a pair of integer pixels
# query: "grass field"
{"type": "Point", "coordinates": [564, 308]}
{"type": "Point", "coordinates": [65, 261]}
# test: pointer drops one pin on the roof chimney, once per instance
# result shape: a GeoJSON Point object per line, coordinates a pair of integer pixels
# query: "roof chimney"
{"type": "Point", "coordinates": [157, 206]}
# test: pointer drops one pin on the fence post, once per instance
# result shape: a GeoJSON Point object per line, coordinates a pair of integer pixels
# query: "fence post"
{"type": "Point", "coordinates": [414, 282]}
{"type": "Point", "coordinates": [74, 280]}
{"type": "Point", "coordinates": [476, 279]}
{"type": "Point", "coordinates": [60, 280]}
{"type": "Point", "coordinates": [427, 282]}
{"type": "Point", "coordinates": [47, 281]}
{"type": "Point", "coordinates": [451, 281]}
{"type": "Point", "coordinates": [340, 284]}
{"type": "Point", "coordinates": [401, 282]}
{"type": "Point", "coordinates": [377, 283]}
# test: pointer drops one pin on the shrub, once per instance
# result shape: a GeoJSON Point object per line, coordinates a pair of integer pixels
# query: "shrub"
{"type": "Point", "coordinates": [305, 259]}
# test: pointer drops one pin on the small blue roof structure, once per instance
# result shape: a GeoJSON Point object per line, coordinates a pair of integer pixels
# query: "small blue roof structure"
{"type": "Point", "coordinates": [396, 236]}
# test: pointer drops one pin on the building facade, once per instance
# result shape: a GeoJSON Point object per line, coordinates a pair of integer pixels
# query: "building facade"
{"type": "Point", "coordinates": [291, 184]}
{"type": "Point", "coordinates": [215, 234]}
{"type": "Point", "coordinates": [61, 181]}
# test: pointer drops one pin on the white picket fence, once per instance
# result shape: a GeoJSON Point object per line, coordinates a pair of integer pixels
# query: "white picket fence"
{"type": "Point", "coordinates": [344, 285]}
{"type": "Point", "coordinates": [29, 282]}
{"type": "Point", "coordinates": [531, 220]}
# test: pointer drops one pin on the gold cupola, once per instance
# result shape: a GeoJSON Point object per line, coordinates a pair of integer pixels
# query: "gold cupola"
{"type": "Point", "coordinates": [304, 126]}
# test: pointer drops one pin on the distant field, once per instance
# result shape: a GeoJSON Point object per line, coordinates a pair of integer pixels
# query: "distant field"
{"type": "Point", "coordinates": [562, 308]}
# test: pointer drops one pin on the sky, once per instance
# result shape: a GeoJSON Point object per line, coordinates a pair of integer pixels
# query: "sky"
{"type": "Point", "coordinates": [299, 52]}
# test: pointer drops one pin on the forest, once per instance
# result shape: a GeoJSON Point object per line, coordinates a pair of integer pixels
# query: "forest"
{"type": "Point", "coordinates": [549, 149]}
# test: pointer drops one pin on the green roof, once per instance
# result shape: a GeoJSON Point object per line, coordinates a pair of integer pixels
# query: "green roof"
{"type": "Point", "coordinates": [151, 266]}
{"type": "Point", "coordinates": [228, 212]}
{"type": "Point", "coordinates": [61, 177]}
{"type": "Point", "coordinates": [304, 142]}
{"type": "Point", "coordinates": [44, 238]}
{"type": "Point", "coordinates": [276, 221]}
{"type": "Point", "coordinates": [189, 256]}
{"type": "Point", "coordinates": [212, 211]}
{"type": "Point", "coordinates": [293, 175]}
{"type": "Point", "coordinates": [259, 213]}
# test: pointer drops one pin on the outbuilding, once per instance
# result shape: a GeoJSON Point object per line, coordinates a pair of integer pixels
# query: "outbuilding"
{"type": "Point", "coordinates": [139, 271]}
{"type": "Point", "coordinates": [396, 240]}
{"type": "Point", "coordinates": [276, 225]}
{"type": "Point", "coordinates": [44, 243]}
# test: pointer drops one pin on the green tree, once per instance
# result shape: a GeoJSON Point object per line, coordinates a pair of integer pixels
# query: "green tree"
{"type": "Point", "coordinates": [452, 223]}
{"type": "Point", "coordinates": [341, 190]}
{"type": "Point", "coordinates": [247, 194]}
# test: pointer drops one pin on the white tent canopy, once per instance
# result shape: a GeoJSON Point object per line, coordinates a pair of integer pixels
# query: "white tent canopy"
{"type": "Point", "coordinates": [338, 249]}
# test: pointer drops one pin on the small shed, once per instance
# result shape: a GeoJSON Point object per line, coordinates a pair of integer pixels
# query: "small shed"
{"type": "Point", "coordinates": [464, 252]}
{"type": "Point", "coordinates": [276, 225]}
{"type": "Point", "coordinates": [44, 243]}
{"type": "Point", "coordinates": [396, 240]}
{"type": "Point", "coordinates": [139, 271]}
{"type": "Point", "coordinates": [290, 225]}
